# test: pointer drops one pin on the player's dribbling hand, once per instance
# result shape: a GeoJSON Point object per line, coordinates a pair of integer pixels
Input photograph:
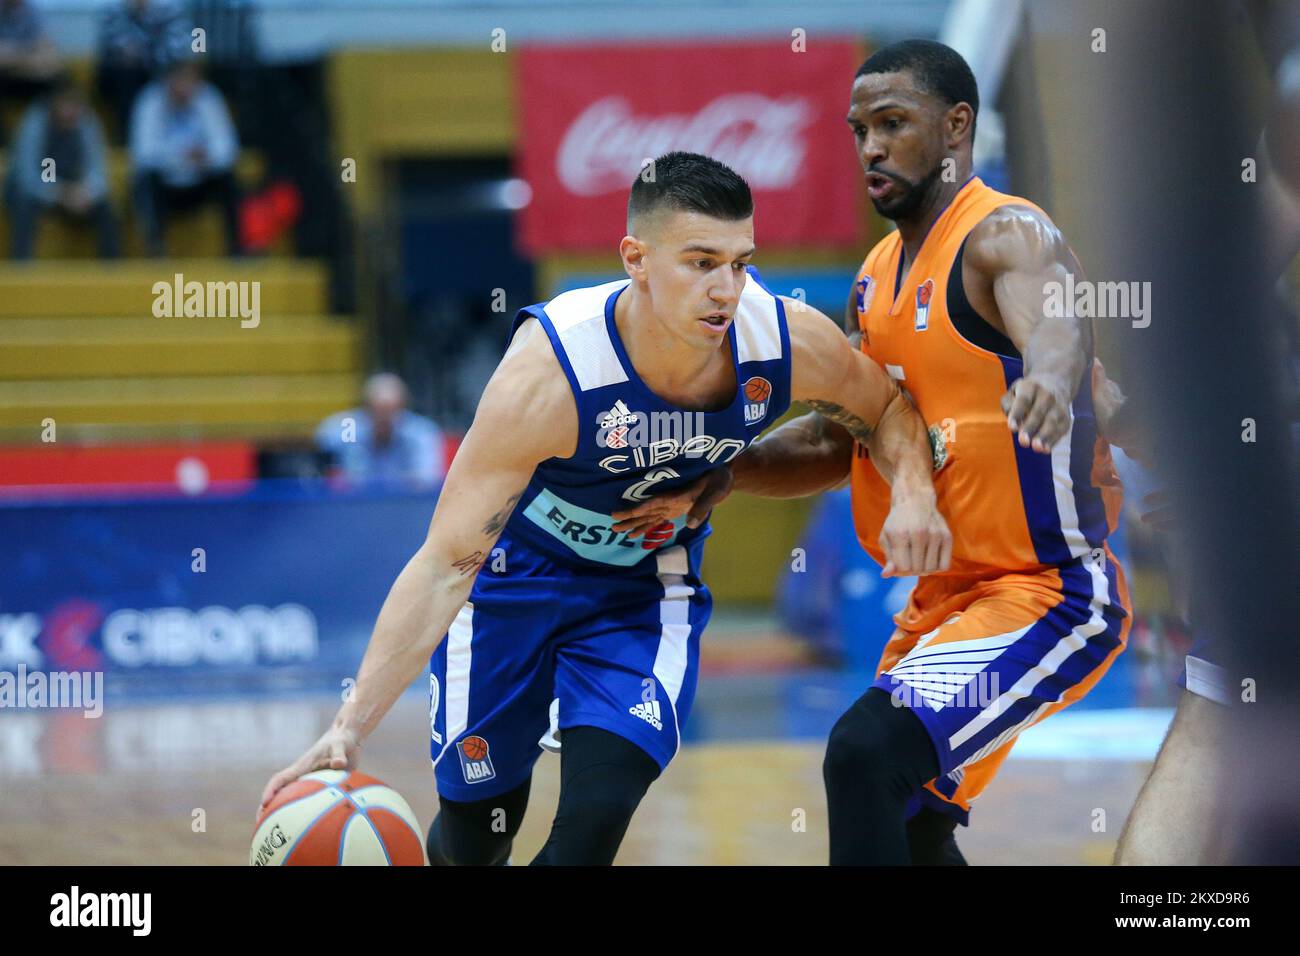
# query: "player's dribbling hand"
{"type": "Point", "coordinates": [915, 539]}
{"type": "Point", "coordinates": [695, 501]}
{"type": "Point", "coordinates": [336, 750]}
{"type": "Point", "coordinates": [1039, 411]}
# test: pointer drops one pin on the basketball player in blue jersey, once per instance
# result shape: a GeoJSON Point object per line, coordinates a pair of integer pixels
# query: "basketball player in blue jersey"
{"type": "Point", "coordinates": [560, 631]}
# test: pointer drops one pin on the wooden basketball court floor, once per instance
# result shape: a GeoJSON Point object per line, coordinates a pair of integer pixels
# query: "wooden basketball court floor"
{"type": "Point", "coordinates": [177, 783]}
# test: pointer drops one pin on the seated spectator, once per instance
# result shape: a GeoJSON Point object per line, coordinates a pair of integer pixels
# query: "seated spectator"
{"type": "Point", "coordinates": [382, 443]}
{"type": "Point", "coordinates": [138, 39]}
{"type": "Point", "coordinates": [29, 63]}
{"type": "Point", "coordinates": [183, 151]}
{"type": "Point", "coordinates": [61, 129]}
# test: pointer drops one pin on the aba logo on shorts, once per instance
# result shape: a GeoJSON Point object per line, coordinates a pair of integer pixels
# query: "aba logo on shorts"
{"type": "Point", "coordinates": [757, 391]}
{"type": "Point", "coordinates": [923, 293]}
{"type": "Point", "coordinates": [475, 762]}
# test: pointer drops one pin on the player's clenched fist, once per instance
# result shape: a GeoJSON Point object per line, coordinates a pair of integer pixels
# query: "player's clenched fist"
{"type": "Point", "coordinates": [337, 749]}
{"type": "Point", "coordinates": [1038, 410]}
{"type": "Point", "coordinates": [915, 539]}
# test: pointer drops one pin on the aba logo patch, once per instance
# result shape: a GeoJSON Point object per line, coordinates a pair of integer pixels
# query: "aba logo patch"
{"type": "Point", "coordinates": [923, 293]}
{"type": "Point", "coordinates": [866, 292]}
{"type": "Point", "coordinates": [757, 391]}
{"type": "Point", "coordinates": [475, 761]}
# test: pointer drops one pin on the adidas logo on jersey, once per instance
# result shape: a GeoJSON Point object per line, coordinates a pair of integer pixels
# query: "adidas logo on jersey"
{"type": "Point", "coordinates": [614, 426]}
{"type": "Point", "coordinates": [620, 414]}
{"type": "Point", "coordinates": [649, 712]}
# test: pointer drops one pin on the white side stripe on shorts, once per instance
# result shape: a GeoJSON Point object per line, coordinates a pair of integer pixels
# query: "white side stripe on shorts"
{"type": "Point", "coordinates": [460, 636]}
{"type": "Point", "coordinates": [1006, 735]}
{"type": "Point", "coordinates": [1063, 486]}
{"type": "Point", "coordinates": [675, 627]}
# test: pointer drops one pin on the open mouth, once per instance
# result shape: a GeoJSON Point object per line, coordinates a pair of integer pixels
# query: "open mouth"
{"type": "Point", "coordinates": [879, 185]}
{"type": "Point", "coordinates": [716, 321]}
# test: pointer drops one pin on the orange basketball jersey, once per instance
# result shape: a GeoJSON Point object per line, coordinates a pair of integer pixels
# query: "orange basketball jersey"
{"type": "Point", "coordinates": [1010, 509]}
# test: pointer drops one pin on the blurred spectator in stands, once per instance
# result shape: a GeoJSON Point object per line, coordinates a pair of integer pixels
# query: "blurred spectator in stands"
{"type": "Point", "coordinates": [29, 63]}
{"type": "Point", "coordinates": [59, 165]}
{"type": "Point", "coordinates": [138, 39]}
{"type": "Point", "coordinates": [383, 443]}
{"type": "Point", "coordinates": [183, 149]}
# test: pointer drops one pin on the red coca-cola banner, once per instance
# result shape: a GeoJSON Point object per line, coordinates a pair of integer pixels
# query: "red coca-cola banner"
{"type": "Point", "coordinates": [590, 116]}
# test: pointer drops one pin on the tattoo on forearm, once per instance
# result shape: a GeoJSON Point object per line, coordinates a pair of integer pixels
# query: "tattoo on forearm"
{"type": "Point", "coordinates": [859, 429]}
{"type": "Point", "coordinates": [469, 564]}
{"type": "Point", "coordinates": [498, 520]}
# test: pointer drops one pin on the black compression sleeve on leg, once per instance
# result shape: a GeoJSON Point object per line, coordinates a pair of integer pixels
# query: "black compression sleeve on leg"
{"type": "Point", "coordinates": [478, 832]}
{"type": "Point", "coordinates": [602, 779]}
{"type": "Point", "coordinates": [930, 839]}
{"type": "Point", "coordinates": [877, 757]}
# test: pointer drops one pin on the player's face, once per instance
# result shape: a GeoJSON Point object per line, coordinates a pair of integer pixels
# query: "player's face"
{"type": "Point", "coordinates": [900, 137]}
{"type": "Point", "coordinates": [695, 270]}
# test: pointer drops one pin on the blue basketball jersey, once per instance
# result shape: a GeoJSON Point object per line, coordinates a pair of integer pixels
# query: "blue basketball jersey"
{"type": "Point", "coordinates": [571, 624]}
{"type": "Point", "coordinates": [633, 445]}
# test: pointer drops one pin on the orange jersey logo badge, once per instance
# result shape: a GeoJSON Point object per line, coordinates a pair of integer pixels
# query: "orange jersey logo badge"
{"type": "Point", "coordinates": [923, 293]}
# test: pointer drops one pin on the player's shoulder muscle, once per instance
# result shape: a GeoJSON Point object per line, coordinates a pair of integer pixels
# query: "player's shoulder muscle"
{"type": "Point", "coordinates": [527, 402]}
{"type": "Point", "coordinates": [820, 355]}
{"type": "Point", "coordinates": [809, 327]}
{"type": "Point", "coordinates": [1015, 236]}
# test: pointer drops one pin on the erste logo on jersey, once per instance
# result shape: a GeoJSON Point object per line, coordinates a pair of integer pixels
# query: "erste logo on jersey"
{"type": "Point", "coordinates": [923, 294]}
{"type": "Point", "coordinates": [614, 426]}
{"type": "Point", "coordinates": [475, 761]}
{"type": "Point", "coordinates": [757, 392]}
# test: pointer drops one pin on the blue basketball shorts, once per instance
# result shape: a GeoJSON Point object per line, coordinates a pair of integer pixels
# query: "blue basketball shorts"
{"type": "Point", "coordinates": [542, 646]}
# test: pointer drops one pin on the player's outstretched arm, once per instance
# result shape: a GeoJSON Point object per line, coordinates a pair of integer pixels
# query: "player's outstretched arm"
{"type": "Point", "coordinates": [1015, 252]}
{"type": "Point", "coordinates": [526, 415]}
{"type": "Point", "coordinates": [804, 456]}
{"type": "Point", "coordinates": [851, 390]}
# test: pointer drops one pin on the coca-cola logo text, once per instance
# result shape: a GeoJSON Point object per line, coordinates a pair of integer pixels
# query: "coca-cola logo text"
{"type": "Point", "coordinates": [760, 137]}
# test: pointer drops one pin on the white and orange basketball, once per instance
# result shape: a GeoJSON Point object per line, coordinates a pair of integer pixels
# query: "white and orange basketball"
{"type": "Point", "coordinates": [337, 818]}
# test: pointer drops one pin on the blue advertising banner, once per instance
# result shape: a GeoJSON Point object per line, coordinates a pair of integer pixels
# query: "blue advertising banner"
{"type": "Point", "coordinates": [278, 587]}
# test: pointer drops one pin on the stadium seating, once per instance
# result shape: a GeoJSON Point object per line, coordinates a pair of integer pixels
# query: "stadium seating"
{"type": "Point", "coordinates": [79, 343]}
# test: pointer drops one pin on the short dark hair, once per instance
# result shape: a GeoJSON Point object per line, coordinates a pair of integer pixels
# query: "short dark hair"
{"type": "Point", "coordinates": [693, 183]}
{"type": "Point", "coordinates": [939, 70]}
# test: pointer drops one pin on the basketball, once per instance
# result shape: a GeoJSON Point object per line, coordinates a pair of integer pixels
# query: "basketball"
{"type": "Point", "coordinates": [337, 818]}
{"type": "Point", "coordinates": [758, 389]}
{"type": "Point", "coordinates": [474, 748]}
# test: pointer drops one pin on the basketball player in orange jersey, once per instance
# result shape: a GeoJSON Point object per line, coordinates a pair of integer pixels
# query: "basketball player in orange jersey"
{"type": "Point", "coordinates": [559, 631]}
{"type": "Point", "coordinates": [1034, 607]}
